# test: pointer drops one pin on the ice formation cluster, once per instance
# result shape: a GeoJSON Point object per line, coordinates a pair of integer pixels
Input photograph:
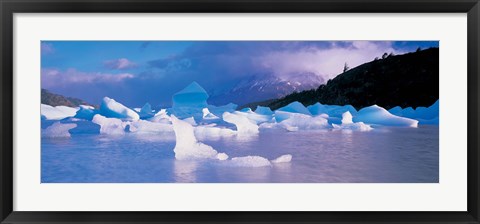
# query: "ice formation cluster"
{"type": "Point", "coordinates": [191, 118]}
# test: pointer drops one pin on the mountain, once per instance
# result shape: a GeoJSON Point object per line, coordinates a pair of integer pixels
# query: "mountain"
{"type": "Point", "coordinates": [263, 87]}
{"type": "Point", "coordinates": [409, 80]}
{"type": "Point", "coordinates": [53, 99]}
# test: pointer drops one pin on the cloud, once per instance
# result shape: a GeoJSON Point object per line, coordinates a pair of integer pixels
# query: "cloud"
{"type": "Point", "coordinates": [52, 77]}
{"type": "Point", "coordinates": [47, 48]}
{"type": "Point", "coordinates": [119, 64]}
{"type": "Point", "coordinates": [285, 59]}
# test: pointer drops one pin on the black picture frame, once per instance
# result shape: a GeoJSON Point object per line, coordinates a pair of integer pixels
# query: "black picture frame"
{"type": "Point", "coordinates": [9, 7]}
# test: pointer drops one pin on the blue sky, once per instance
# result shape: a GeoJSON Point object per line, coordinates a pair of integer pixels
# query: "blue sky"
{"type": "Point", "coordinates": [135, 72]}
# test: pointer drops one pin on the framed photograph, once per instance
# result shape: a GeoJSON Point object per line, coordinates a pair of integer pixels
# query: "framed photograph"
{"type": "Point", "coordinates": [236, 111]}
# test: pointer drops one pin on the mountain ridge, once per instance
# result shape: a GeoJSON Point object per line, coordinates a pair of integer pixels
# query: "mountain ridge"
{"type": "Point", "coordinates": [408, 80]}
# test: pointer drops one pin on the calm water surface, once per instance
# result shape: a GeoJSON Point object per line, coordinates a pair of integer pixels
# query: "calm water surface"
{"type": "Point", "coordinates": [384, 155]}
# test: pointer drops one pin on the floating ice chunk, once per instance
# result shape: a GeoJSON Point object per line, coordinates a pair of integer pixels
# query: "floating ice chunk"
{"type": "Point", "coordinates": [379, 116]}
{"type": "Point", "coordinates": [254, 117]}
{"type": "Point", "coordinates": [396, 111]}
{"type": "Point", "coordinates": [347, 118]}
{"type": "Point", "coordinates": [58, 130]}
{"type": "Point", "coordinates": [109, 126]}
{"type": "Point", "coordinates": [57, 113]}
{"type": "Point", "coordinates": [161, 117]}
{"type": "Point", "coordinates": [211, 132]}
{"type": "Point", "coordinates": [294, 121]}
{"type": "Point", "coordinates": [283, 159]}
{"type": "Point", "coordinates": [407, 112]}
{"type": "Point", "coordinates": [146, 111]}
{"type": "Point", "coordinates": [249, 161]}
{"type": "Point", "coordinates": [86, 112]}
{"type": "Point", "coordinates": [218, 111]}
{"type": "Point", "coordinates": [331, 110]}
{"type": "Point", "coordinates": [222, 156]}
{"type": "Point", "coordinates": [246, 109]}
{"type": "Point", "coordinates": [424, 113]}
{"type": "Point", "coordinates": [347, 124]}
{"type": "Point", "coordinates": [112, 109]}
{"type": "Point", "coordinates": [295, 107]}
{"type": "Point", "coordinates": [143, 126]}
{"type": "Point", "coordinates": [317, 109]}
{"type": "Point", "coordinates": [263, 110]}
{"type": "Point", "coordinates": [243, 124]}
{"type": "Point", "coordinates": [187, 146]}
{"type": "Point", "coordinates": [191, 96]}
{"type": "Point", "coordinates": [207, 115]}
{"type": "Point", "coordinates": [428, 113]}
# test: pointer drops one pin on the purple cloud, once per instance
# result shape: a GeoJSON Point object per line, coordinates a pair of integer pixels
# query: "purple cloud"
{"type": "Point", "coordinates": [119, 64]}
{"type": "Point", "coordinates": [52, 77]}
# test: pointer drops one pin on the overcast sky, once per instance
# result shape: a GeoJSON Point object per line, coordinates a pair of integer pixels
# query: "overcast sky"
{"type": "Point", "coordinates": [135, 72]}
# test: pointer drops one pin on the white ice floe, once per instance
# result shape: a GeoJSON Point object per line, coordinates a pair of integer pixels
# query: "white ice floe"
{"type": "Point", "coordinates": [249, 161]}
{"type": "Point", "coordinates": [379, 116]}
{"type": "Point", "coordinates": [113, 109]}
{"type": "Point", "coordinates": [161, 117]}
{"type": "Point", "coordinates": [58, 130]}
{"type": "Point", "coordinates": [295, 121]}
{"type": "Point", "coordinates": [243, 124]}
{"type": "Point", "coordinates": [212, 132]}
{"type": "Point", "coordinates": [57, 113]}
{"type": "Point", "coordinates": [143, 126]}
{"type": "Point", "coordinates": [109, 126]}
{"type": "Point", "coordinates": [187, 146]}
{"type": "Point", "coordinates": [283, 159]}
{"type": "Point", "coordinates": [347, 124]}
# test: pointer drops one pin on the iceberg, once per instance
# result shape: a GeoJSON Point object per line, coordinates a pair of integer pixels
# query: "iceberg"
{"type": "Point", "coordinates": [331, 110]}
{"type": "Point", "coordinates": [86, 112]}
{"type": "Point", "coordinates": [379, 116]}
{"type": "Point", "coordinates": [192, 96]}
{"type": "Point", "coordinates": [58, 130]}
{"type": "Point", "coordinates": [161, 117]}
{"type": "Point", "coordinates": [283, 159]}
{"type": "Point", "coordinates": [56, 113]}
{"type": "Point", "coordinates": [296, 122]}
{"type": "Point", "coordinates": [143, 126]}
{"type": "Point", "coordinates": [243, 124]}
{"type": "Point", "coordinates": [112, 109]}
{"type": "Point", "coordinates": [295, 107]}
{"type": "Point", "coordinates": [263, 110]}
{"type": "Point", "coordinates": [212, 132]}
{"type": "Point", "coordinates": [187, 146]}
{"type": "Point", "coordinates": [207, 115]}
{"type": "Point", "coordinates": [146, 111]}
{"type": "Point", "coordinates": [109, 126]}
{"type": "Point", "coordinates": [249, 161]}
{"type": "Point", "coordinates": [219, 110]}
{"type": "Point", "coordinates": [254, 117]}
{"type": "Point", "coordinates": [347, 124]}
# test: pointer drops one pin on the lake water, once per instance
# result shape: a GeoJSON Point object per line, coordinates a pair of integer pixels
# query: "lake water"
{"type": "Point", "coordinates": [384, 155]}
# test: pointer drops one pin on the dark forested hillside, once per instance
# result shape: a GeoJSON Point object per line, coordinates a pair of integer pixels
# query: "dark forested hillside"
{"type": "Point", "coordinates": [53, 99]}
{"type": "Point", "coordinates": [408, 80]}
